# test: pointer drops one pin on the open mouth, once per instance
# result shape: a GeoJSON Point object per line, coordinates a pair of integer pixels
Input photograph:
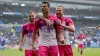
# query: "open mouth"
{"type": "Point", "coordinates": [58, 13]}
{"type": "Point", "coordinates": [43, 10]}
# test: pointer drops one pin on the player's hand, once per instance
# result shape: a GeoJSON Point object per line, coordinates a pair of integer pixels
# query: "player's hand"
{"type": "Point", "coordinates": [97, 27]}
{"type": "Point", "coordinates": [34, 48]}
{"type": "Point", "coordinates": [20, 49]}
{"type": "Point", "coordinates": [62, 42]}
{"type": "Point", "coordinates": [58, 21]}
{"type": "Point", "coordinates": [48, 22]}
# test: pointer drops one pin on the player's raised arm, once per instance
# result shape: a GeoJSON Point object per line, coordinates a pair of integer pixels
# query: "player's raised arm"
{"type": "Point", "coordinates": [70, 25]}
{"type": "Point", "coordinates": [40, 15]}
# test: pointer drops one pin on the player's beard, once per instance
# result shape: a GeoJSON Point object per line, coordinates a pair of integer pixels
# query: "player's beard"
{"type": "Point", "coordinates": [45, 11]}
{"type": "Point", "coordinates": [59, 16]}
{"type": "Point", "coordinates": [31, 20]}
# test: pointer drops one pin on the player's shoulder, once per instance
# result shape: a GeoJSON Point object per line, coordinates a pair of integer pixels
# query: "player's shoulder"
{"type": "Point", "coordinates": [37, 19]}
{"type": "Point", "coordinates": [67, 18]}
{"type": "Point", "coordinates": [53, 16]}
{"type": "Point", "coordinates": [25, 24]}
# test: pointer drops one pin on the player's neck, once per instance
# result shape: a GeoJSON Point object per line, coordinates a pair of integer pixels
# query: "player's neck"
{"type": "Point", "coordinates": [46, 14]}
{"type": "Point", "coordinates": [31, 22]}
{"type": "Point", "coordinates": [60, 17]}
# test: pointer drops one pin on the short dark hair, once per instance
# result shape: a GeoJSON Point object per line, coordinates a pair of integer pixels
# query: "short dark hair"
{"type": "Point", "coordinates": [46, 3]}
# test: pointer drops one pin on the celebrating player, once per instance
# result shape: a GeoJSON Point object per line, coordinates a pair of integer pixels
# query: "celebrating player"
{"type": "Point", "coordinates": [47, 34]}
{"type": "Point", "coordinates": [65, 25]}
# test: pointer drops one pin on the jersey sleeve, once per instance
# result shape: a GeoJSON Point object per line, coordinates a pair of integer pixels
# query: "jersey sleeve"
{"type": "Point", "coordinates": [84, 37]}
{"type": "Point", "coordinates": [58, 27]}
{"type": "Point", "coordinates": [78, 36]}
{"type": "Point", "coordinates": [69, 21]}
{"type": "Point", "coordinates": [36, 24]}
{"type": "Point", "coordinates": [23, 31]}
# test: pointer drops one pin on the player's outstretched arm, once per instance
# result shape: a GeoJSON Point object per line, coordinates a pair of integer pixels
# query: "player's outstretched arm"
{"type": "Point", "coordinates": [70, 27]}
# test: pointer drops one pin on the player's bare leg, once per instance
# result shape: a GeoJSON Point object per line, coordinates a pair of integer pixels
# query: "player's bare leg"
{"type": "Point", "coordinates": [81, 51]}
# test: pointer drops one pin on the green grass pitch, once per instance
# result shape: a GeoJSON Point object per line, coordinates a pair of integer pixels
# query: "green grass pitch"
{"type": "Point", "coordinates": [87, 52]}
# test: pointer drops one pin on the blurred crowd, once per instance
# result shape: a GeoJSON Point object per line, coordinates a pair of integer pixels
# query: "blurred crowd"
{"type": "Point", "coordinates": [68, 11]}
{"type": "Point", "coordinates": [9, 35]}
